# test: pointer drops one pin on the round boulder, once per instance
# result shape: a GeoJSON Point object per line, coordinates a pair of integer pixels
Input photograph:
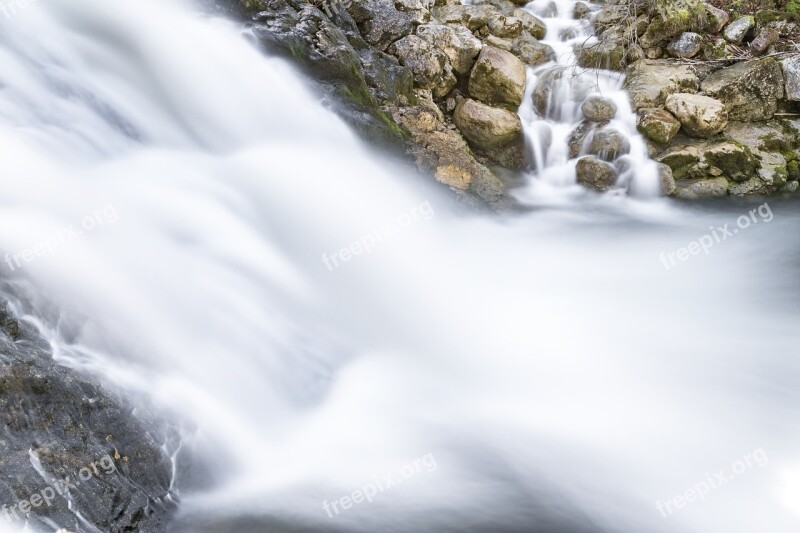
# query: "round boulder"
{"type": "Point", "coordinates": [498, 78]}
{"type": "Point", "coordinates": [700, 116]}
{"type": "Point", "coordinates": [657, 125]}
{"type": "Point", "coordinates": [688, 44]}
{"type": "Point", "coordinates": [486, 127]}
{"type": "Point", "coordinates": [608, 144]}
{"type": "Point", "coordinates": [594, 173]}
{"type": "Point", "coordinates": [598, 109]}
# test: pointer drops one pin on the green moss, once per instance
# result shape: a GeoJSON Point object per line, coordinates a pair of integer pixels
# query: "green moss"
{"type": "Point", "coordinates": [792, 8]}
{"type": "Point", "coordinates": [793, 170]}
{"type": "Point", "coordinates": [681, 163]}
{"type": "Point", "coordinates": [738, 164]}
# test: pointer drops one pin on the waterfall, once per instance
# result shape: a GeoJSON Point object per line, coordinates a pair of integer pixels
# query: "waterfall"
{"type": "Point", "coordinates": [217, 241]}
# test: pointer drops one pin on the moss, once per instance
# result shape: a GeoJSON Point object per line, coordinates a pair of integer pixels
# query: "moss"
{"type": "Point", "coordinates": [793, 170]}
{"type": "Point", "coordinates": [792, 8]}
{"type": "Point", "coordinates": [738, 164]}
{"type": "Point", "coordinates": [681, 163]}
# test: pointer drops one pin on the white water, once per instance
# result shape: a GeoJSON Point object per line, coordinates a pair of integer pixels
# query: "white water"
{"type": "Point", "coordinates": [560, 376]}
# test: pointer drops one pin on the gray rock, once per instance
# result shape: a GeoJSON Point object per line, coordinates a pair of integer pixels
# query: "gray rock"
{"type": "Point", "coordinates": [666, 180]}
{"type": "Point", "coordinates": [607, 53]}
{"type": "Point", "coordinates": [791, 73]}
{"type": "Point", "coordinates": [577, 139]}
{"type": "Point", "coordinates": [702, 188]}
{"type": "Point", "coordinates": [736, 161]}
{"type": "Point", "coordinates": [687, 45]}
{"type": "Point", "coordinates": [595, 173]}
{"type": "Point", "coordinates": [531, 51]}
{"type": "Point", "coordinates": [456, 42]}
{"type": "Point", "coordinates": [497, 42]}
{"type": "Point", "coordinates": [765, 38]}
{"type": "Point", "coordinates": [498, 78]}
{"type": "Point", "coordinates": [608, 144]}
{"type": "Point", "coordinates": [738, 30]}
{"type": "Point", "coordinates": [717, 18]}
{"type": "Point", "coordinates": [504, 27]}
{"type": "Point", "coordinates": [471, 16]}
{"type": "Point", "coordinates": [649, 82]}
{"type": "Point", "coordinates": [426, 63]}
{"type": "Point", "coordinates": [700, 116]}
{"type": "Point", "coordinates": [495, 132]}
{"type": "Point", "coordinates": [598, 109]}
{"type": "Point", "coordinates": [657, 125]}
{"type": "Point", "coordinates": [531, 24]}
{"type": "Point", "coordinates": [581, 10]}
{"type": "Point", "coordinates": [750, 89]}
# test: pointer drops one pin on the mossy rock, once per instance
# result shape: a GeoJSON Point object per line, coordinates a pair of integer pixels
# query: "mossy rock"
{"type": "Point", "coordinates": [793, 170]}
{"type": "Point", "coordinates": [735, 160]}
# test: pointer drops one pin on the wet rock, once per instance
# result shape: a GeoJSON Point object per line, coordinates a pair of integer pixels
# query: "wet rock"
{"type": "Point", "coordinates": [456, 42]}
{"type": "Point", "coordinates": [598, 109]}
{"type": "Point", "coordinates": [595, 173]}
{"type": "Point", "coordinates": [687, 45]}
{"type": "Point", "coordinates": [563, 80]}
{"type": "Point", "coordinates": [739, 29]}
{"type": "Point", "coordinates": [531, 24]}
{"type": "Point", "coordinates": [717, 18]}
{"type": "Point", "coordinates": [471, 16]}
{"type": "Point", "coordinates": [426, 63]}
{"type": "Point", "coordinates": [498, 78]}
{"type": "Point", "coordinates": [581, 10]}
{"type": "Point", "coordinates": [666, 180]}
{"type": "Point", "coordinates": [380, 22]}
{"type": "Point", "coordinates": [548, 11]}
{"type": "Point", "coordinates": [750, 89]}
{"type": "Point", "coordinates": [504, 27]}
{"type": "Point", "coordinates": [649, 82]}
{"type": "Point", "coordinates": [577, 139]}
{"type": "Point", "coordinates": [531, 51]}
{"type": "Point", "coordinates": [700, 116]}
{"type": "Point", "coordinates": [791, 73]}
{"type": "Point", "coordinates": [608, 53]}
{"type": "Point", "coordinates": [702, 188]}
{"type": "Point", "coordinates": [493, 131]}
{"type": "Point", "coordinates": [657, 125]}
{"type": "Point", "coordinates": [765, 38]}
{"type": "Point", "coordinates": [608, 144]}
{"type": "Point", "coordinates": [736, 161]}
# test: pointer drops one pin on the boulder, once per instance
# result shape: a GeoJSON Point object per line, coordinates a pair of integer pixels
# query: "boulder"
{"type": "Point", "coordinates": [649, 82]}
{"type": "Point", "coordinates": [595, 173]}
{"type": "Point", "coordinates": [471, 16]}
{"type": "Point", "coordinates": [426, 63]}
{"type": "Point", "coordinates": [495, 132]}
{"type": "Point", "coordinates": [736, 161]}
{"type": "Point", "coordinates": [577, 138]}
{"type": "Point", "coordinates": [716, 49]}
{"type": "Point", "coordinates": [765, 38]}
{"type": "Point", "coordinates": [687, 45]}
{"type": "Point", "coordinates": [684, 160]}
{"type": "Point", "coordinates": [562, 80]}
{"type": "Point", "coordinates": [607, 53]}
{"type": "Point", "coordinates": [531, 51]}
{"type": "Point", "coordinates": [739, 29]}
{"type": "Point", "coordinates": [608, 144]}
{"type": "Point", "coordinates": [666, 180]}
{"type": "Point", "coordinates": [504, 27]}
{"type": "Point", "coordinates": [791, 74]}
{"type": "Point", "coordinates": [598, 109]}
{"type": "Point", "coordinates": [531, 24]}
{"type": "Point", "coordinates": [456, 42]}
{"type": "Point", "coordinates": [717, 18]}
{"type": "Point", "coordinates": [497, 42]}
{"type": "Point", "coordinates": [381, 23]}
{"type": "Point", "coordinates": [751, 89]}
{"type": "Point", "coordinates": [700, 116]}
{"type": "Point", "coordinates": [671, 19]}
{"type": "Point", "coordinates": [702, 188]}
{"type": "Point", "coordinates": [498, 78]}
{"type": "Point", "coordinates": [417, 9]}
{"type": "Point", "coordinates": [581, 10]}
{"type": "Point", "coordinates": [657, 125]}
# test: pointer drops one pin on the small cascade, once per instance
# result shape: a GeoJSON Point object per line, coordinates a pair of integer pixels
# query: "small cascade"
{"type": "Point", "coordinates": [557, 133]}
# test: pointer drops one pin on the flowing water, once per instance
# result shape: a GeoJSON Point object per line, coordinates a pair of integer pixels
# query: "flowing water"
{"type": "Point", "coordinates": [561, 369]}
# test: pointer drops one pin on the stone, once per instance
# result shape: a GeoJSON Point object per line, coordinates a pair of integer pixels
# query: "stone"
{"type": "Point", "coordinates": [578, 87]}
{"type": "Point", "coordinates": [649, 82]}
{"type": "Point", "coordinates": [665, 180]}
{"type": "Point", "coordinates": [426, 63]}
{"type": "Point", "coordinates": [581, 10]}
{"type": "Point", "coordinates": [673, 19]}
{"type": "Point", "coordinates": [494, 131]}
{"type": "Point", "coordinates": [608, 53]}
{"type": "Point", "coordinates": [700, 116]}
{"type": "Point", "coordinates": [791, 74]}
{"type": "Point", "coordinates": [702, 188]}
{"type": "Point", "coordinates": [608, 144]}
{"type": "Point", "coordinates": [739, 29]}
{"type": "Point", "coordinates": [716, 49]}
{"type": "Point", "coordinates": [717, 19]}
{"type": "Point", "coordinates": [750, 89]}
{"type": "Point", "coordinates": [530, 23]}
{"type": "Point", "coordinates": [456, 42]}
{"type": "Point", "coordinates": [497, 42]}
{"type": "Point", "coordinates": [657, 125]}
{"type": "Point", "coordinates": [531, 51]}
{"type": "Point", "coordinates": [498, 78]}
{"type": "Point", "coordinates": [504, 27]}
{"type": "Point", "coordinates": [765, 38]}
{"type": "Point", "coordinates": [595, 173]}
{"type": "Point", "coordinates": [736, 161]}
{"type": "Point", "coordinates": [577, 139]}
{"type": "Point", "coordinates": [471, 16]}
{"type": "Point", "coordinates": [687, 45]}
{"type": "Point", "coordinates": [684, 160]}
{"type": "Point", "coordinates": [381, 23]}
{"type": "Point", "coordinates": [598, 109]}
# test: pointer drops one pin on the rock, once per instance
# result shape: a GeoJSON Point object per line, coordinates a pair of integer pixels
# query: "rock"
{"type": "Point", "coordinates": [578, 88]}
{"type": "Point", "coordinates": [658, 125]}
{"type": "Point", "coordinates": [608, 144]}
{"type": "Point", "coordinates": [672, 19]}
{"type": "Point", "coordinates": [716, 49]}
{"type": "Point", "coordinates": [717, 18]}
{"type": "Point", "coordinates": [485, 126]}
{"type": "Point", "coordinates": [739, 29]}
{"type": "Point", "coordinates": [609, 16]}
{"type": "Point", "coordinates": [497, 42]}
{"type": "Point", "coordinates": [598, 109]}
{"type": "Point", "coordinates": [687, 45]}
{"type": "Point", "coordinates": [793, 170]}
{"type": "Point", "coordinates": [636, 28]}
{"type": "Point", "coordinates": [548, 11]}
{"type": "Point", "coordinates": [594, 173]}
{"type": "Point", "coordinates": [608, 53]}
{"type": "Point", "coordinates": [504, 27]}
{"type": "Point", "coordinates": [471, 16]}
{"type": "Point", "coordinates": [665, 180]}
{"type": "Point", "coordinates": [456, 42]}
{"type": "Point", "coordinates": [700, 116]}
{"type": "Point", "coordinates": [649, 82]}
{"type": "Point", "coordinates": [735, 161]}
{"type": "Point", "coordinates": [380, 22]}
{"type": "Point", "coordinates": [791, 73]}
{"type": "Point", "coordinates": [577, 139]}
{"type": "Point", "coordinates": [531, 24]}
{"type": "Point", "coordinates": [653, 53]}
{"type": "Point", "coordinates": [498, 78]}
{"type": "Point", "coordinates": [765, 38]}
{"type": "Point", "coordinates": [702, 188]}
{"type": "Point", "coordinates": [417, 9]}
{"type": "Point", "coordinates": [684, 160]}
{"type": "Point", "coordinates": [531, 51]}
{"type": "Point", "coordinates": [750, 89]}
{"type": "Point", "coordinates": [426, 63]}
{"type": "Point", "coordinates": [581, 10]}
